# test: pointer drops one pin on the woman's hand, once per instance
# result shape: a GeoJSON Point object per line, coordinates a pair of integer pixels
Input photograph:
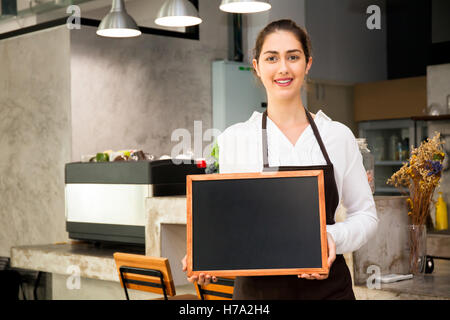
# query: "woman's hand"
{"type": "Point", "coordinates": [202, 279]}
{"type": "Point", "coordinates": [331, 258]}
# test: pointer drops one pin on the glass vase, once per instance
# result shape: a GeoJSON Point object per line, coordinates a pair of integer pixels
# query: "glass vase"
{"type": "Point", "coordinates": [417, 242]}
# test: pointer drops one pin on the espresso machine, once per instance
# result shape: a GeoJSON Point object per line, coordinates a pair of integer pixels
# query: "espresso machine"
{"type": "Point", "coordinates": [105, 201]}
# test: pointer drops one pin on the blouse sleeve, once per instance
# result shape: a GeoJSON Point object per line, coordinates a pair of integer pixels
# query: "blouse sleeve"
{"type": "Point", "coordinates": [361, 219]}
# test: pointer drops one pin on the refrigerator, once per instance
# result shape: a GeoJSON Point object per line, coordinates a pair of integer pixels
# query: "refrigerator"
{"type": "Point", "coordinates": [236, 93]}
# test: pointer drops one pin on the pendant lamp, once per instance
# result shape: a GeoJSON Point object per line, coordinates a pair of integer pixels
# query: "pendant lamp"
{"type": "Point", "coordinates": [118, 23]}
{"type": "Point", "coordinates": [178, 13]}
{"type": "Point", "coordinates": [244, 6]}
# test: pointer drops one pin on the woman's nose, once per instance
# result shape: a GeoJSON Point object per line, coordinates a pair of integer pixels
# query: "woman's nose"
{"type": "Point", "coordinates": [284, 67]}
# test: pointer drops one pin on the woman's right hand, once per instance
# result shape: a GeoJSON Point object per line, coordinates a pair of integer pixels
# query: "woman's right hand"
{"type": "Point", "coordinates": [202, 278]}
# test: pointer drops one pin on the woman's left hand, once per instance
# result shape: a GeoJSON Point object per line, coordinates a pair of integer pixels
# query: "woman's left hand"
{"type": "Point", "coordinates": [331, 258]}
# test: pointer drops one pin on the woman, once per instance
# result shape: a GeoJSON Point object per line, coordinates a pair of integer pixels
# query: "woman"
{"type": "Point", "coordinates": [288, 137]}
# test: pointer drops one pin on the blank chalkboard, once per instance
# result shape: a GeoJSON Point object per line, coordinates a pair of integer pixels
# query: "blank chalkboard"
{"type": "Point", "coordinates": [244, 224]}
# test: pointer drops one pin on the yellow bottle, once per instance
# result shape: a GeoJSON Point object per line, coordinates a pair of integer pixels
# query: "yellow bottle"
{"type": "Point", "coordinates": [441, 213]}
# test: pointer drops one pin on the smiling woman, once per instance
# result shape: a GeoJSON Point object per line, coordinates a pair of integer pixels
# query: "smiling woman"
{"type": "Point", "coordinates": [281, 60]}
{"type": "Point", "coordinates": [290, 138]}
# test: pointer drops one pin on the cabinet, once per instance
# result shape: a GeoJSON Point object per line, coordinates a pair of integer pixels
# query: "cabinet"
{"type": "Point", "coordinates": [391, 142]}
{"type": "Point", "coordinates": [390, 99]}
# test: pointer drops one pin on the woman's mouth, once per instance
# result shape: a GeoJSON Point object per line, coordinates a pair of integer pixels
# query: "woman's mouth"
{"type": "Point", "coordinates": [283, 82]}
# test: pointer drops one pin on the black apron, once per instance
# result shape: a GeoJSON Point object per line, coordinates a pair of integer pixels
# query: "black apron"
{"type": "Point", "coordinates": [338, 285]}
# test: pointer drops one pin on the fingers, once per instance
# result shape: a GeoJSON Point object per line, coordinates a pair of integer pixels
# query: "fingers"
{"type": "Point", "coordinates": [331, 250]}
{"type": "Point", "coordinates": [205, 279]}
{"type": "Point", "coordinates": [184, 263]}
{"type": "Point", "coordinates": [313, 276]}
{"type": "Point", "coordinates": [192, 279]}
{"type": "Point", "coordinates": [320, 276]}
{"type": "Point", "coordinates": [330, 260]}
{"type": "Point", "coordinates": [202, 279]}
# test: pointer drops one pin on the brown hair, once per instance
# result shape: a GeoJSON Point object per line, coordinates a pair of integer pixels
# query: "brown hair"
{"type": "Point", "coordinates": [284, 25]}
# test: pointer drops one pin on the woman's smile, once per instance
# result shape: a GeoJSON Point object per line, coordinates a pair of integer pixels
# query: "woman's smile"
{"type": "Point", "coordinates": [283, 82]}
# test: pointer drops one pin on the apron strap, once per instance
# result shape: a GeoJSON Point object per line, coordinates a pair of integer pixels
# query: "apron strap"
{"type": "Point", "coordinates": [315, 131]}
{"type": "Point", "coordinates": [265, 148]}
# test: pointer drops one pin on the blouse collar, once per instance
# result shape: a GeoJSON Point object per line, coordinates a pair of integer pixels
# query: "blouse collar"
{"type": "Point", "coordinates": [319, 117]}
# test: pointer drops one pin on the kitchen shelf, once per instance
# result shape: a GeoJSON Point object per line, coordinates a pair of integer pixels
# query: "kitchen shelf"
{"type": "Point", "coordinates": [389, 163]}
{"type": "Point", "coordinates": [387, 189]}
{"type": "Point", "coordinates": [431, 118]}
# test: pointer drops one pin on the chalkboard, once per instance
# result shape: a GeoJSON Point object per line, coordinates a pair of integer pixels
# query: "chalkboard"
{"type": "Point", "coordinates": [244, 224]}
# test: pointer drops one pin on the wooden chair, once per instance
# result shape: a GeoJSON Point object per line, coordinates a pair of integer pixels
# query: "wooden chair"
{"type": "Point", "coordinates": [145, 273]}
{"type": "Point", "coordinates": [220, 290]}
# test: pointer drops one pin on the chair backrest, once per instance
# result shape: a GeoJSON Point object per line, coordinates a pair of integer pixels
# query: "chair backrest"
{"type": "Point", "coordinates": [220, 290]}
{"type": "Point", "coordinates": [145, 273]}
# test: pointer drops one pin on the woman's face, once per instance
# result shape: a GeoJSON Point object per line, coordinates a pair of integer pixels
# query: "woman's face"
{"type": "Point", "coordinates": [282, 66]}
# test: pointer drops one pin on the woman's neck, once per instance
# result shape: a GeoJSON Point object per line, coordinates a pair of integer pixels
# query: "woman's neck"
{"type": "Point", "coordinates": [287, 113]}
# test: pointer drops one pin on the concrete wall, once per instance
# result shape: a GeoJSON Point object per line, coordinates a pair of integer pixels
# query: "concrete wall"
{"type": "Point", "coordinates": [132, 93]}
{"type": "Point", "coordinates": [67, 93]}
{"type": "Point", "coordinates": [35, 137]}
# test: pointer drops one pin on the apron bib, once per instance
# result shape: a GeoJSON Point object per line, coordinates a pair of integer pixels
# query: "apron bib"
{"type": "Point", "coordinates": [338, 285]}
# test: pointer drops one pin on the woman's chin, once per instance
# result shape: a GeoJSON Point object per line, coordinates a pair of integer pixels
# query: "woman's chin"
{"type": "Point", "coordinates": [286, 94]}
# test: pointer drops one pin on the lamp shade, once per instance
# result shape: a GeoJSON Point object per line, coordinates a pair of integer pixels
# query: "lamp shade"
{"type": "Point", "coordinates": [118, 23]}
{"type": "Point", "coordinates": [177, 13]}
{"type": "Point", "coordinates": [244, 6]}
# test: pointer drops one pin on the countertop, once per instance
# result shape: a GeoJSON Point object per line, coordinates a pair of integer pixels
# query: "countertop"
{"type": "Point", "coordinates": [434, 286]}
{"type": "Point", "coordinates": [95, 262]}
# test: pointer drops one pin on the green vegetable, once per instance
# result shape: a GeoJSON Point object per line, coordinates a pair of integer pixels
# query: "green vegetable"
{"type": "Point", "coordinates": [215, 151]}
{"type": "Point", "coordinates": [215, 154]}
{"type": "Point", "coordinates": [102, 157]}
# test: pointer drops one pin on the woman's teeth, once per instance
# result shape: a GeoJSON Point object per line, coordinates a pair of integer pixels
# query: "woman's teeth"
{"type": "Point", "coordinates": [283, 81]}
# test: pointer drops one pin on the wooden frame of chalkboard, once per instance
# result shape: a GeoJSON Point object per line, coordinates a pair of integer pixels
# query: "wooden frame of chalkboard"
{"type": "Point", "coordinates": [310, 254]}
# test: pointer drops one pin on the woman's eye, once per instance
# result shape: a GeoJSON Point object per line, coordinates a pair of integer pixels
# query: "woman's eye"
{"type": "Point", "coordinates": [271, 58]}
{"type": "Point", "coordinates": [294, 57]}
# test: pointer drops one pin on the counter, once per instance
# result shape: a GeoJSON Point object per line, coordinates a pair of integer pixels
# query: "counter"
{"type": "Point", "coordinates": [81, 270]}
{"type": "Point", "coordinates": [435, 286]}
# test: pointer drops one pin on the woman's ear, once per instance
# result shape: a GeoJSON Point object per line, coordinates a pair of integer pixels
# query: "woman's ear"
{"type": "Point", "coordinates": [255, 67]}
{"type": "Point", "coordinates": [308, 65]}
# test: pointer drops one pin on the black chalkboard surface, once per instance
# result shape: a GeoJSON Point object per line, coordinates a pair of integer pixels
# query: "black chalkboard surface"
{"type": "Point", "coordinates": [244, 224]}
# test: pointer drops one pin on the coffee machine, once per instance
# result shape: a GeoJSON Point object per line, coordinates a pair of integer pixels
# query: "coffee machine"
{"type": "Point", "coordinates": [106, 201]}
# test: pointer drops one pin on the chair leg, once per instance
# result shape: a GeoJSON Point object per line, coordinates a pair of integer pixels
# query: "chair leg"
{"type": "Point", "coordinates": [124, 284]}
{"type": "Point", "coordinates": [23, 291]}
{"type": "Point", "coordinates": [163, 286]}
{"type": "Point", "coordinates": [36, 285]}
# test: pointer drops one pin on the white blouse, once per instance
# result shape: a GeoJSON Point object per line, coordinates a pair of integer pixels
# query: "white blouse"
{"type": "Point", "coordinates": [240, 150]}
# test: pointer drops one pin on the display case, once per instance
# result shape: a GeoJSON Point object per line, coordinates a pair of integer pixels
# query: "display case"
{"type": "Point", "coordinates": [391, 142]}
